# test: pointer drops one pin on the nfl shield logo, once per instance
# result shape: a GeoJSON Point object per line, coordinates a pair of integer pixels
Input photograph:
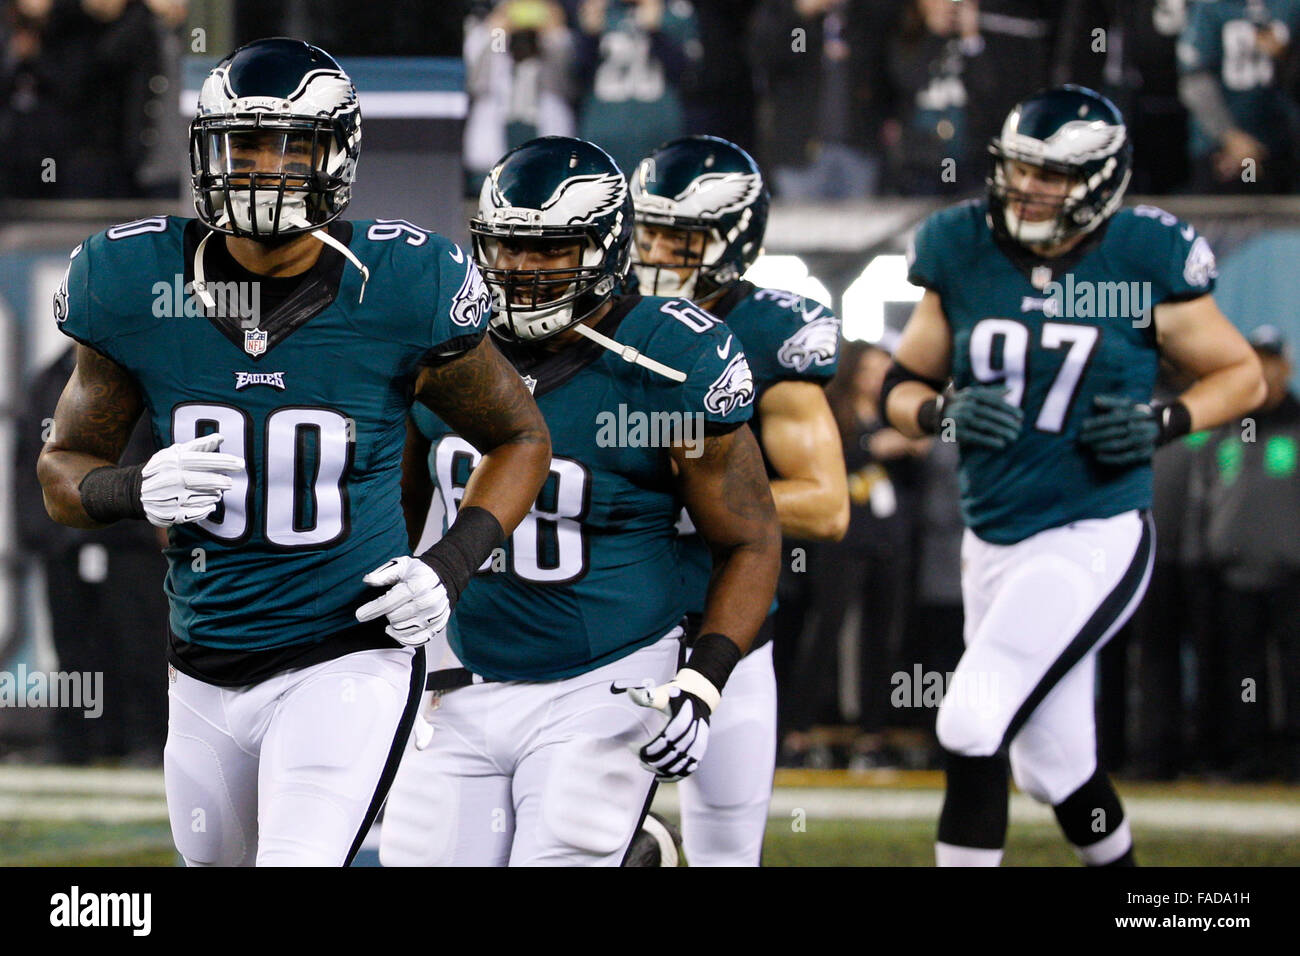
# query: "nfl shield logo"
{"type": "Point", "coordinates": [1040, 276]}
{"type": "Point", "coordinates": [530, 383]}
{"type": "Point", "coordinates": [254, 341]}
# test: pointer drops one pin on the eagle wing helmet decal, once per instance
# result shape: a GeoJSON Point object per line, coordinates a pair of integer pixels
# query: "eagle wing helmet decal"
{"type": "Point", "coordinates": [582, 199]}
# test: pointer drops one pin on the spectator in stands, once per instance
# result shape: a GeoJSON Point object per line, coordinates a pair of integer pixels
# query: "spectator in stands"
{"type": "Point", "coordinates": [1018, 50]}
{"type": "Point", "coordinates": [817, 61]}
{"type": "Point", "coordinates": [630, 58]}
{"type": "Point", "coordinates": [1243, 118]}
{"type": "Point", "coordinates": [74, 95]}
{"type": "Point", "coordinates": [1133, 60]}
{"type": "Point", "coordinates": [718, 91]}
{"type": "Point", "coordinates": [118, 55]}
{"type": "Point", "coordinates": [167, 134]}
{"type": "Point", "coordinates": [936, 68]}
{"type": "Point", "coordinates": [107, 612]}
{"type": "Point", "coordinates": [1252, 540]}
{"type": "Point", "coordinates": [517, 61]}
{"type": "Point", "coordinates": [33, 124]}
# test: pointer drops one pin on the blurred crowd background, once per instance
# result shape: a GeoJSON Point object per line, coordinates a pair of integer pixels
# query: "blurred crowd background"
{"type": "Point", "coordinates": [839, 100]}
{"type": "Point", "coordinates": [836, 98]}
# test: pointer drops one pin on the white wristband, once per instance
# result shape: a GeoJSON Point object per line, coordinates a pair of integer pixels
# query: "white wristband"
{"type": "Point", "coordinates": [693, 682]}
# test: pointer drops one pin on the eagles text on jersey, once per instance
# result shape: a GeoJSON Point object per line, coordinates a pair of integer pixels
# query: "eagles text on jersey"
{"type": "Point", "coordinates": [314, 399]}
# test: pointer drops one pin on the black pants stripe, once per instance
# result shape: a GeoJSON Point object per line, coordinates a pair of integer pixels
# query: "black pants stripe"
{"type": "Point", "coordinates": [413, 695]}
{"type": "Point", "coordinates": [1104, 621]}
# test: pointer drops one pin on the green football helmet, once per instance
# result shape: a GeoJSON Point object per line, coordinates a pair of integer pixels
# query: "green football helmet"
{"type": "Point", "coordinates": [707, 185]}
{"type": "Point", "coordinates": [559, 189]}
{"type": "Point", "coordinates": [1070, 130]}
{"type": "Point", "coordinates": [291, 103]}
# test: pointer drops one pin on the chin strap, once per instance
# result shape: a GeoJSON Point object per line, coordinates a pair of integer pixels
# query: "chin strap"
{"type": "Point", "coordinates": [200, 284]}
{"type": "Point", "coordinates": [321, 235]}
{"type": "Point", "coordinates": [629, 354]}
{"type": "Point", "coordinates": [333, 243]}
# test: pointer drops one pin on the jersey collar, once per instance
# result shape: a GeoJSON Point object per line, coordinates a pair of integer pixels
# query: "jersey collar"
{"type": "Point", "coordinates": [316, 292]}
{"type": "Point", "coordinates": [550, 370]}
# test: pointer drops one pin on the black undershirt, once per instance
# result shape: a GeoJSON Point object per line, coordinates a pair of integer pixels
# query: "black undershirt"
{"type": "Point", "coordinates": [221, 266]}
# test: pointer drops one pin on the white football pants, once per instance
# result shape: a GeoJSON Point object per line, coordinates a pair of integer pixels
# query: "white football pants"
{"type": "Point", "coordinates": [522, 773]}
{"type": "Point", "coordinates": [1037, 613]}
{"type": "Point", "coordinates": [725, 801]}
{"type": "Point", "coordinates": [290, 771]}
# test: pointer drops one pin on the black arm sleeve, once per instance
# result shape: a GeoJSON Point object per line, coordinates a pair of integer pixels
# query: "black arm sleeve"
{"type": "Point", "coordinates": [897, 375]}
{"type": "Point", "coordinates": [467, 544]}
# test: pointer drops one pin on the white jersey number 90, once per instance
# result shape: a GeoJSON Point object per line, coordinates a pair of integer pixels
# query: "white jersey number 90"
{"type": "Point", "coordinates": [294, 516]}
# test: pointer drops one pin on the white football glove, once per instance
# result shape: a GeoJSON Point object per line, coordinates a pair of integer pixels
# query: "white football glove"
{"type": "Point", "coordinates": [415, 603]}
{"type": "Point", "coordinates": [184, 482]}
{"type": "Point", "coordinates": [688, 700]}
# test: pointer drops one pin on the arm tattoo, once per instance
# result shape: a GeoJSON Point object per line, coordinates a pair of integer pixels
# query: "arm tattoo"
{"type": "Point", "coordinates": [728, 493]}
{"type": "Point", "coordinates": [98, 408]}
{"type": "Point", "coordinates": [745, 490]}
{"type": "Point", "coordinates": [483, 399]}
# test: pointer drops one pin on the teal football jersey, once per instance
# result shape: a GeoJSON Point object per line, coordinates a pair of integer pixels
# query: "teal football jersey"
{"type": "Point", "coordinates": [1057, 334]}
{"type": "Point", "coordinates": [591, 573]}
{"type": "Point", "coordinates": [313, 396]}
{"type": "Point", "coordinates": [786, 338]}
{"type": "Point", "coordinates": [1221, 38]}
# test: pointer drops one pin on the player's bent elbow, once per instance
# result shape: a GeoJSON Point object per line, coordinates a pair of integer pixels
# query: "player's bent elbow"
{"type": "Point", "coordinates": [60, 513]}
{"type": "Point", "coordinates": [45, 475]}
{"type": "Point", "coordinates": [1260, 390]}
{"type": "Point", "coordinates": [835, 524]}
{"type": "Point", "coordinates": [56, 504]}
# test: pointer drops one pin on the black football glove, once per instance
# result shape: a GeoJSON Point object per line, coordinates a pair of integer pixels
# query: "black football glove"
{"type": "Point", "coordinates": [981, 416]}
{"type": "Point", "coordinates": [1122, 432]}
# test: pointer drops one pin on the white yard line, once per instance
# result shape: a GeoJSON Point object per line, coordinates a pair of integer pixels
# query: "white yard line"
{"type": "Point", "coordinates": [94, 808]}
{"type": "Point", "coordinates": [116, 796]}
{"type": "Point", "coordinates": [91, 780]}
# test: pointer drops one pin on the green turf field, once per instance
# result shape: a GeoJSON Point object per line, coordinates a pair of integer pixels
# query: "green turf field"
{"type": "Point", "coordinates": [823, 843]}
{"type": "Point", "coordinates": [56, 817]}
{"type": "Point", "coordinates": [911, 843]}
{"type": "Point", "coordinates": [85, 843]}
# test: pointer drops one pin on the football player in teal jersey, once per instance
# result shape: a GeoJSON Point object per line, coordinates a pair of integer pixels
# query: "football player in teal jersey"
{"type": "Point", "coordinates": [294, 342]}
{"type": "Point", "coordinates": [1048, 307]}
{"type": "Point", "coordinates": [701, 211]}
{"type": "Point", "coordinates": [527, 757]}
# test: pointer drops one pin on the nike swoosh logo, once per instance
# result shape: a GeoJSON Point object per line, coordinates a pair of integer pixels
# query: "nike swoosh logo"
{"type": "Point", "coordinates": [1188, 233]}
{"type": "Point", "coordinates": [725, 348]}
